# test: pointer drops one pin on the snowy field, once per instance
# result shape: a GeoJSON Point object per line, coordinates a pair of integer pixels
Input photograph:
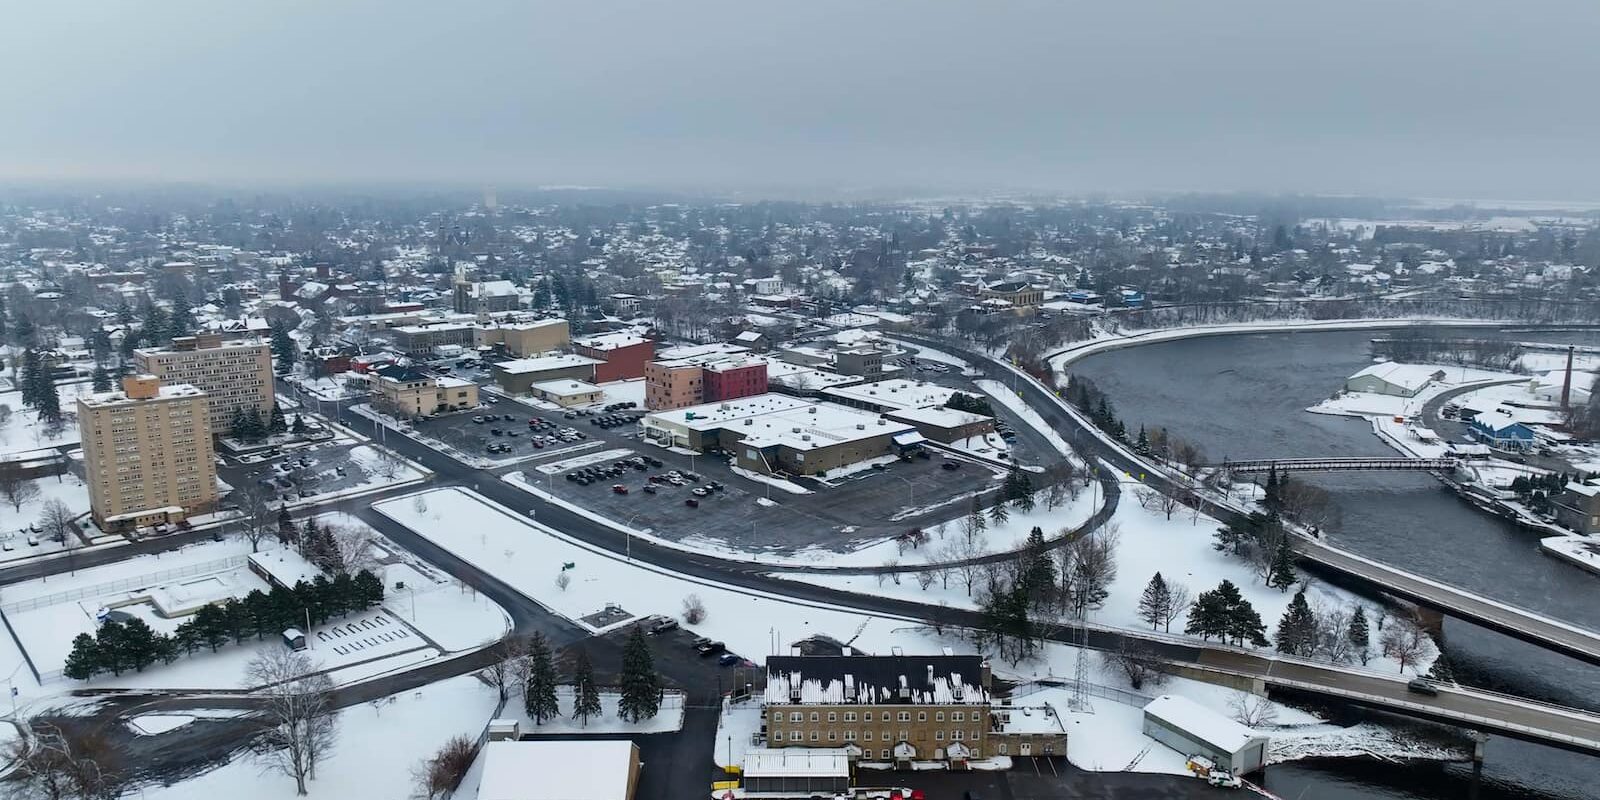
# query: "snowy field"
{"type": "Point", "coordinates": [22, 430]}
{"type": "Point", "coordinates": [1179, 548]}
{"type": "Point", "coordinates": [528, 557]}
{"type": "Point", "coordinates": [379, 743]}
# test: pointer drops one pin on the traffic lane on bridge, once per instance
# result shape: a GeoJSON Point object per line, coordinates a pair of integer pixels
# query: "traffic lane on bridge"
{"type": "Point", "coordinates": [1392, 690]}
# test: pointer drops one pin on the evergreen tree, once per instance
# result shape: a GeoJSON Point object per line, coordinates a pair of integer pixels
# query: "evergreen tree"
{"type": "Point", "coordinates": [28, 377]}
{"type": "Point", "coordinates": [1270, 498]}
{"type": "Point", "coordinates": [283, 352]}
{"type": "Point", "coordinates": [975, 515]}
{"type": "Point", "coordinates": [1142, 444]}
{"type": "Point", "coordinates": [641, 686]}
{"type": "Point", "coordinates": [84, 660]}
{"type": "Point", "coordinates": [369, 590]}
{"type": "Point", "coordinates": [47, 400]}
{"type": "Point", "coordinates": [1021, 491]}
{"type": "Point", "coordinates": [187, 637]}
{"type": "Point", "coordinates": [275, 422]}
{"type": "Point", "coordinates": [586, 698]}
{"type": "Point", "coordinates": [287, 533]}
{"type": "Point", "coordinates": [181, 321]}
{"type": "Point", "coordinates": [1154, 600]}
{"type": "Point", "coordinates": [344, 596]}
{"type": "Point", "coordinates": [1281, 574]}
{"type": "Point", "coordinates": [259, 610]}
{"type": "Point", "coordinates": [299, 426]}
{"type": "Point", "coordinates": [109, 643]}
{"type": "Point", "coordinates": [238, 428]}
{"type": "Point", "coordinates": [140, 644]}
{"type": "Point", "coordinates": [1242, 623]}
{"type": "Point", "coordinates": [1039, 570]}
{"type": "Point", "coordinates": [237, 618]}
{"type": "Point", "coordinates": [25, 331]}
{"type": "Point", "coordinates": [124, 312]}
{"type": "Point", "coordinates": [1297, 630]}
{"type": "Point", "coordinates": [101, 382]}
{"type": "Point", "coordinates": [1358, 635]}
{"type": "Point", "coordinates": [539, 694]}
{"type": "Point", "coordinates": [1208, 617]}
{"type": "Point", "coordinates": [998, 512]}
{"type": "Point", "coordinates": [324, 604]}
{"type": "Point", "coordinates": [211, 627]}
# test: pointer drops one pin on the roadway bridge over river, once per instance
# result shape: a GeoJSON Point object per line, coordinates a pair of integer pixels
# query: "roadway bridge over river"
{"type": "Point", "coordinates": [1337, 465]}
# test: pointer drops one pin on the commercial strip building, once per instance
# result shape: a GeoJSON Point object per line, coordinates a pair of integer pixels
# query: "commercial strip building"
{"type": "Point", "coordinates": [519, 376]}
{"type": "Point", "coordinates": [147, 453]}
{"type": "Point", "coordinates": [568, 393]}
{"type": "Point", "coordinates": [523, 339]}
{"type": "Point", "coordinates": [774, 433]}
{"type": "Point", "coordinates": [406, 391]}
{"type": "Point", "coordinates": [1192, 729]}
{"type": "Point", "coordinates": [234, 375]}
{"type": "Point", "coordinates": [421, 339]}
{"type": "Point", "coordinates": [621, 355]}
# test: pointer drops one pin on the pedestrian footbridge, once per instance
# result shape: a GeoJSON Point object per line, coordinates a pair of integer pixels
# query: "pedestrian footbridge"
{"type": "Point", "coordinates": [1259, 465]}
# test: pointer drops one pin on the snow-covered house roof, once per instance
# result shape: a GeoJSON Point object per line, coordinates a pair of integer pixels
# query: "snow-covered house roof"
{"type": "Point", "coordinates": [877, 680]}
{"type": "Point", "coordinates": [1411, 377]}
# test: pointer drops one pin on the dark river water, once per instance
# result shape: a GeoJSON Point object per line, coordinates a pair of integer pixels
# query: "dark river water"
{"type": "Point", "coordinates": [1244, 396]}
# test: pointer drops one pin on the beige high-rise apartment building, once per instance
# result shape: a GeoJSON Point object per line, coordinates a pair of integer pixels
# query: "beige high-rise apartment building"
{"type": "Point", "coordinates": [147, 453]}
{"type": "Point", "coordinates": [233, 375]}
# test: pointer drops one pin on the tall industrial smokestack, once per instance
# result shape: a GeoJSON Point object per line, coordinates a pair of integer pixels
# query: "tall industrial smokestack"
{"type": "Point", "coordinates": [1566, 385]}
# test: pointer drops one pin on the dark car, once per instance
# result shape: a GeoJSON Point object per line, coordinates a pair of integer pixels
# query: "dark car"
{"type": "Point", "coordinates": [692, 503]}
{"type": "Point", "coordinates": [950, 465]}
{"type": "Point", "coordinates": [710, 648]}
{"type": "Point", "coordinates": [1423, 687]}
{"type": "Point", "coordinates": [728, 659]}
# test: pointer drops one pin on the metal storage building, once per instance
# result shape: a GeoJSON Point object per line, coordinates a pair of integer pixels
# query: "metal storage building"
{"type": "Point", "coordinates": [819, 770]}
{"type": "Point", "coordinates": [1193, 729]}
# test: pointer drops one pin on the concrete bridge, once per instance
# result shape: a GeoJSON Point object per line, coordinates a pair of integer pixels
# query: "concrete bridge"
{"type": "Point", "coordinates": [1337, 464]}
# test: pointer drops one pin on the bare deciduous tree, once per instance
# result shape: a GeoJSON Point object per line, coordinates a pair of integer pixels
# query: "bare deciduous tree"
{"type": "Point", "coordinates": [1177, 603]}
{"type": "Point", "coordinates": [301, 718]}
{"type": "Point", "coordinates": [57, 521]}
{"type": "Point", "coordinates": [354, 544]}
{"type": "Point", "coordinates": [1405, 643]}
{"type": "Point", "coordinates": [694, 609]}
{"type": "Point", "coordinates": [1252, 711]}
{"type": "Point", "coordinates": [258, 517]}
{"type": "Point", "coordinates": [388, 463]}
{"type": "Point", "coordinates": [1137, 663]}
{"type": "Point", "coordinates": [53, 764]}
{"type": "Point", "coordinates": [441, 775]}
{"type": "Point", "coordinates": [504, 673]}
{"type": "Point", "coordinates": [15, 487]}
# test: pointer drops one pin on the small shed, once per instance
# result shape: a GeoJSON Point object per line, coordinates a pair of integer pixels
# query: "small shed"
{"type": "Point", "coordinates": [797, 770]}
{"type": "Point", "coordinates": [294, 639]}
{"type": "Point", "coordinates": [1193, 729]}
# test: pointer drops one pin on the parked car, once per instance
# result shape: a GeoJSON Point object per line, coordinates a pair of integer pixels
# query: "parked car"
{"type": "Point", "coordinates": [617, 488]}
{"type": "Point", "coordinates": [728, 659]}
{"type": "Point", "coordinates": [664, 625]}
{"type": "Point", "coordinates": [650, 488]}
{"type": "Point", "coordinates": [710, 648]}
{"type": "Point", "coordinates": [950, 466]}
{"type": "Point", "coordinates": [692, 503]}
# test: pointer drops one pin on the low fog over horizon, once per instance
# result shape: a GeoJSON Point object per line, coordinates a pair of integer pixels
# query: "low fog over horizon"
{"type": "Point", "coordinates": [1433, 99]}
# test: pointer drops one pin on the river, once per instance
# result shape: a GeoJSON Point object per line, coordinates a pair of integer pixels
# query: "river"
{"type": "Point", "coordinates": [1243, 396]}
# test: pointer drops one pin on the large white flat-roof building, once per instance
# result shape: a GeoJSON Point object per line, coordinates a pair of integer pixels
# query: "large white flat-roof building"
{"type": "Point", "coordinates": [773, 433]}
{"type": "Point", "coordinates": [889, 395]}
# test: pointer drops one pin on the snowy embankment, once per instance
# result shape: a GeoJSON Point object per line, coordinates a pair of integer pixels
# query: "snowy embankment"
{"type": "Point", "coordinates": [1180, 548]}
{"type": "Point", "coordinates": [1009, 398]}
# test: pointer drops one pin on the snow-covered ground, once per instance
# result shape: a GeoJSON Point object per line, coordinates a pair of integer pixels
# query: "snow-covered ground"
{"type": "Point", "coordinates": [413, 625]}
{"type": "Point", "coordinates": [379, 744]}
{"type": "Point", "coordinates": [1179, 548]}
{"type": "Point", "coordinates": [67, 488]}
{"type": "Point", "coordinates": [22, 430]}
{"type": "Point", "coordinates": [1371, 404]}
{"type": "Point", "coordinates": [528, 556]}
{"type": "Point", "coordinates": [669, 719]}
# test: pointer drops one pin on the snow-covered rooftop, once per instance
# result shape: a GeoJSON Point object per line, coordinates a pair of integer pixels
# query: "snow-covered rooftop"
{"type": "Point", "coordinates": [782, 762]}
{"type": "Point", "coordinates": [1408, 376]}
{"type": "Point", "coordinates": [893, 393]}
{"type": "Point", "coordinates": [876, 680]}
{"type": "Point", "coordinates": [1200, 722]}
{"type": "Point", "coordinates": [543, 363]}
{"type": "Point", "coordinates": [555, 770]}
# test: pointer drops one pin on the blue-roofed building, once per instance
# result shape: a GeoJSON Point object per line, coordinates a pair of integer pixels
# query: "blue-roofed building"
{"type": "Point", "coordinates": [1499, 430]}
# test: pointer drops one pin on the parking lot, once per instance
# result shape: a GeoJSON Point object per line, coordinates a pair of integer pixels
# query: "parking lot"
{"type": "Point", "coordinates": [307, 473]}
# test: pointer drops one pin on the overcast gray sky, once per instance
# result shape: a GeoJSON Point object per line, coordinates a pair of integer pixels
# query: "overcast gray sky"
{"type": "Point", "coordinates": [1456, 98]}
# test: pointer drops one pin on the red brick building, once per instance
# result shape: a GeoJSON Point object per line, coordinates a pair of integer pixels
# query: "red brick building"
{"type": "Point", "coordinates": [622, 354]}
{"type": "Point", "coordinates": [731, 380]}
